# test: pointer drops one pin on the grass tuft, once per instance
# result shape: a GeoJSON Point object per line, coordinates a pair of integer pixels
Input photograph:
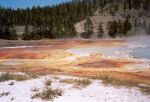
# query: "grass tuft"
{"type": "Point", "coordinates": [117, 82]}
{"type": "Point", "coordinates": [84, 82]}
{"type": "Point", "coordinates": [145, 90]}
{"type": "Point", "coordinates": [35, 89]}
{"type": "Point", "coordinates": [5, 77]}
{"type": "Point", "coordinates": [8, 76]}
{"type": "Point", "coordinates": [77, 82]}
{"type": "Point", "coordinates": [11, 83]}
{"type": "Point", "coordinates": [108, 80]}
{"type": "Point", "coordinates": [48, 94]}
{"type": "Point", "coordinates": [48, 82]}
{"type": "Point", "coordinates": [4, 94]}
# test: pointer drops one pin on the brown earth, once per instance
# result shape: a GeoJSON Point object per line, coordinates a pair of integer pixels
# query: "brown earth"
{"type": "Point", "coordinates": [127, 76]}
{"type": "Point", "coordinates": [104, 64]}
{"type": "Point", "coordinates": [64, 43]}
{"type": "Point", "coordinates": [21, 54]}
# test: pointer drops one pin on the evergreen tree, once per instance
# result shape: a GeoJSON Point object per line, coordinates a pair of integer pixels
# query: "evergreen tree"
{"type": "Point", "coordinates": [7, 33]}
{"type": "Point", "coordinates": [113, 29]}
{"type": "Point", "coordinates": [26, 29]}
{"type": "Point", "coordinates": [1, 32]}
{"type": "Point", "coordinates": [26, 35]}
{"type": "Point", "coordinates": [13, 34]}
{"type": "Point", "coordinates": [127, 26]}
{"type": "Point", "coordinates": [100, 31]}
{"type": "Point", "coordinates": [120, 28]}
{"type": "Point", "coordinates": [124, 7]}
{"type": "Point", "coordinates": [148, 30]}
{"type": "Point", "coordinates": [63, 16]}
{"type": "Point", "coordinates": [88, 27]}
{"type": "Point", "coordinates": [130, 4]}
{"type": "Point", "coordinates": [146, 6]}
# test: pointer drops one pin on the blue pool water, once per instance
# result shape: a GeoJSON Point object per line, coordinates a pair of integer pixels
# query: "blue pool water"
{"type": "Point", "coordinates": [142, 53]}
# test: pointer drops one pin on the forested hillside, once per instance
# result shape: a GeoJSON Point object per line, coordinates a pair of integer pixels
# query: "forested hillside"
{"type": "Point", "coordinates": [118, 18]}
{"type": "Point", "coordinates": [58, 21]}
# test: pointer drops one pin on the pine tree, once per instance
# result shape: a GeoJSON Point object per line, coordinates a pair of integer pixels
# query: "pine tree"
{"type": "Point", "coordinates": [130, 4]}
{"type": "Point", "coordinates": [146, 6]}
{"type": "Point", "coordinates": [127, 26]}
{"type": "Point", "coordinates": [100, 31]}
{"type": "Point", "coordinates": [1, 32]}
{"type": "Point", "coordinates": [113, 29]}
{"type": "Point", "coordinates": [7, 33]}
{"type": "Point", "coordinates": [120, 28]}
{"type": "Point", "coordinates": [66, 14]}
{"type": "Point", "coordinates": [124, 7]}
{"type": "Point", "coordinates": [13, 34]}
{"type": "Point", "coordinates": [26, 35]}
{"type": "Point", "coordinates": [88, 27]}
{"type": "Point", "coordinates": [148, 29]}
{"type": "Point", "coordinates": [26, 29]}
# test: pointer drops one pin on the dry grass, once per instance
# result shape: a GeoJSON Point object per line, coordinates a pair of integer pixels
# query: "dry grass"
{"type": "Point", "coordinates": [11, 83]}
{"type": "Point", "coordinates": [68, 81]}
{"type": "Point", "coordinates": [48, 82]}
{"type": "Point", "coordinates": [8, 76]}
{"type": "Point", "coordinates": [48, 94]}
{"type": "Point", "coordinates": [84, 82]}
{"type": "Point", "coordinates": [4, 94]}
{"type": "Point", "coordinates": [34, 89]}
{"type": "Point", "coordinates": [32, 75]}
{"type": "Point", "coordinates": [55, 77]}
{"type": "Point", "coordinates": [117, 82]}
{"type": "Point", "coordinates": [145, 90]}
{"type": "Point", "coordinates": [77, 82]}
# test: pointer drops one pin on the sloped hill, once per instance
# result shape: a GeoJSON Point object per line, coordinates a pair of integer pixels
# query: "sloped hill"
{"type": "Point", "coordinates": [139, 18]}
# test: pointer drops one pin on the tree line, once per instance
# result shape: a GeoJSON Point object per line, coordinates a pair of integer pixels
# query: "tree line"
{"type": "Point", "coordinates": [115, 28]}
{"type": "Point", "coordinates": [51, 21]}
{"type": "Point", "coordinates": [54, 21]}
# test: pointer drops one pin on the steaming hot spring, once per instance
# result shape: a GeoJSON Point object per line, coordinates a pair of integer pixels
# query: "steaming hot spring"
{"type": "Point", "coordinates": [131, 54]}
{"type": "Point", "coordinates": [79, 67]}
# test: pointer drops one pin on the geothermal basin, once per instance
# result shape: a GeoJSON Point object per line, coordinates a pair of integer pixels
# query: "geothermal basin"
{"type": "Point", "coordinates": [78, 57]}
